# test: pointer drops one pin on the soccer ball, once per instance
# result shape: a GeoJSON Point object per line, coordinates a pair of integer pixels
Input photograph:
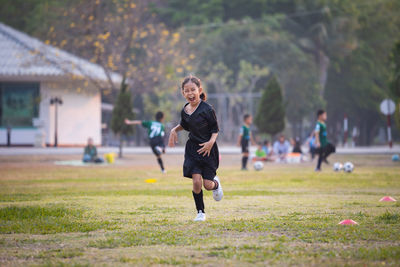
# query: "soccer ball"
{"type": "Point", "coordinates": [258, 165]}
{"type": "Point", "coordinates": [395, 157]}
{"type": "Point", "coordinates": [348, 167]}
{"type": "Point", "coordinates": [337, 166]}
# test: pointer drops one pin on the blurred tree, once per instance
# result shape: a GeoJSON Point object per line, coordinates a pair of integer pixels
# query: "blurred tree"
{"type": "Point", "coordinates": [122, 109]}
{"type": "Point", "coordinates": [359, 80]}
{"type": "Point", "coordinates": [395, 79]}
{"type": "Point", "coordinates": [139, 50]}
{"type": "Point", "coordinates": [249, 51]}
{"type": "Point", "coordinates": [270, 117]}
{"type": "Point", "coordinates": [32, 17]}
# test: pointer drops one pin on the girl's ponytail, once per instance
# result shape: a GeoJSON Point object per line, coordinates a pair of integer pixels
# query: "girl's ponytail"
{"type": "Point", "coordinates": [203, 96]}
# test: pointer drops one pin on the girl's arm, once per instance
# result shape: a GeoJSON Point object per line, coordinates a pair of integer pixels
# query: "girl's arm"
{"type": "Point", "coordinates": [173, 136]}
{"type": "Point", "coordinates": [207, 146]}
{"type": "Point", "coordinates": [135, 122]}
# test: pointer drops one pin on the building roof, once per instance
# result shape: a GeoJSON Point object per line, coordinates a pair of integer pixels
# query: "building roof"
{"type": "Point", "coordinates": [23, 55]}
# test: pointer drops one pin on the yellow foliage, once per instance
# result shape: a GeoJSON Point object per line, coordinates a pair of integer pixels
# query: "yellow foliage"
{"type": "Point", "coordinates": [179, 70]}
{"type": "Point", "coordinates": [165, 32]}
{"type": "Point", "coordinates": [133, 5]}
{"type": "Point", "coordinates": [104, 36]}
{"type": "Point", "coordinates": [91, 18]}
{"type": "Point", "coordinates": [152, 69]}
{"type": "Point", "coordinates": [72, 25]}
{"type": "Point", "coordinates": [191, 40]}
{"type": "Point", "coordinates": [47, 42]}
{"type": "Point", "coordinates": [143, 34]}
{"type": "Point", "coordinates": [176, 35]}
{"type": "Point", "coordinates": [51, 29]}
{"type": "Point", "coordinates": [192, 56]}
{"type": "Point", "coordinates": [63, 43]}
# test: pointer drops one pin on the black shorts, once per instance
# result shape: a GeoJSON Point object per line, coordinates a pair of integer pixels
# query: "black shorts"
{"type": "Point", "coordinates": [197, 164]}
{"type": "Point", "coordinates": [245, 145]}
{"type": "Point", "coordinates": [155, 143]}
{"type": "Point", "coordinates": [327, 149]}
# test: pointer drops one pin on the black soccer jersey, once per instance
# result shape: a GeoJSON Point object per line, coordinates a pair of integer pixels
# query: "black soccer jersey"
{"type": "Point", "coordinates": [201, 124]}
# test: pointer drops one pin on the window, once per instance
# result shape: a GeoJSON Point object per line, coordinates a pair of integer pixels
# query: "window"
{"type": "Point", "coordinates": [19, 104]}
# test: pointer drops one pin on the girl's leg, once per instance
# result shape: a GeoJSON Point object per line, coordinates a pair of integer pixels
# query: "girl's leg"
{"type": "Point", "coordinates": [197, 192]}
{"type": "Point", "coordinates": [210, 185]}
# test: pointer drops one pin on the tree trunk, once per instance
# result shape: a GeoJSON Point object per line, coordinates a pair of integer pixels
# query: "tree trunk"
{"type": "Point", "coordinates": [120, 147]}
{"type": "Point", "coordinates": [323, 66]}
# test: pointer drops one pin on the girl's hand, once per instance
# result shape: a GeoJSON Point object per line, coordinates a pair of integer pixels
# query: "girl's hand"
{"type": "Point", "coordinates": [173, 138]}
{"type": "Point", "coordinates": [206, 148]}
{"type": "Point", "coordinates": [127, 121]}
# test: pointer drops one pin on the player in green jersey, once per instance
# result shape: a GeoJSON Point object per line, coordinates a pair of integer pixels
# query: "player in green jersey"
{"type": "Point", "coordinates": [245, 138]}
{"type": "Point", "coordinates": [156, 132]}
{"type": "Point", "coordinates": [324, 148]}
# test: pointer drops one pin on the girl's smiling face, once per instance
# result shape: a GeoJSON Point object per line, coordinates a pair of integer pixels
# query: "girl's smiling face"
{"type": "Point", "coordinates": [192, 93]}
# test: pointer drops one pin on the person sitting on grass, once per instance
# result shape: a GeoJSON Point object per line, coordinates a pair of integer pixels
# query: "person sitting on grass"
{"type": "Point", "coordinates": [260, 154]}
{"type": "Point", "coordinates": [266, 148]}
{"type": "Point", "coordinates": [90, 153]}
{"type": "Point", "coordinates": [281, 148]}
{"type": "Point", "coordinates": [296, 145]}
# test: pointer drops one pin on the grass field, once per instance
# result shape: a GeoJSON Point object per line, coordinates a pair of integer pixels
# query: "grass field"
{"type": "Point", "coordinates": [283, 215]}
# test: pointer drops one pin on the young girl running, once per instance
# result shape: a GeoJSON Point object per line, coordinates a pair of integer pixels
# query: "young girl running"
{"type": "Point", "coordinates": [201, 151]}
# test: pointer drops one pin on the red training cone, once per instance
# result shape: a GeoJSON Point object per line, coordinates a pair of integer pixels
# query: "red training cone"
{"type": "Point", "coordinates": [348, 222]}
{"type": "Point", "coordinates": [387, 199]}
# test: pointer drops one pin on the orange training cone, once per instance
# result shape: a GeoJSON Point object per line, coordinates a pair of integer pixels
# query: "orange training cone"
{"type": "Point", "coordinates": [348, 222]}
{"type": "Point", "coordinates": [387, 199]}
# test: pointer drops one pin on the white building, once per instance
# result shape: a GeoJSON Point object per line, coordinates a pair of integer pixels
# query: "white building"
{"type": "Point", "coordinates": [31, 73]}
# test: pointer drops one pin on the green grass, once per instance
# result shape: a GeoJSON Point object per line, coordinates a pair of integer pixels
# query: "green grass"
{"type": "Point", "coordinates": [284, 215]}
{"type": "Point", "coordinates": [46, 220]}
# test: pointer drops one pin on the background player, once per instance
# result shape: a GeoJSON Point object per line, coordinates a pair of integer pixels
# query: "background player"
{"type": "Point", "coordinates": [156, 132]}
{"type": "Point", "coordinates": [324, 148]}
{"type": "Point", "coordinates": [245, 138]}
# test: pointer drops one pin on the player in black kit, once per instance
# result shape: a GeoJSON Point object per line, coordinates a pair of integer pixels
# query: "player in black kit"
{"type": "Point", "coordinates": [201, 151]}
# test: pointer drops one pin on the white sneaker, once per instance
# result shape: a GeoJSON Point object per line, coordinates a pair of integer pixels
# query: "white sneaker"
{"type": "Point", "coordinates": [201, 217]}
{"type": "Point", "coordinates": [218, 193]}
{"type": "Point", "coordinates": [164, 171]}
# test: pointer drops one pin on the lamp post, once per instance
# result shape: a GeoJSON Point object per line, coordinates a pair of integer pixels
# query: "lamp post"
{"type": "Point", "coordinates": [56, 101]}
